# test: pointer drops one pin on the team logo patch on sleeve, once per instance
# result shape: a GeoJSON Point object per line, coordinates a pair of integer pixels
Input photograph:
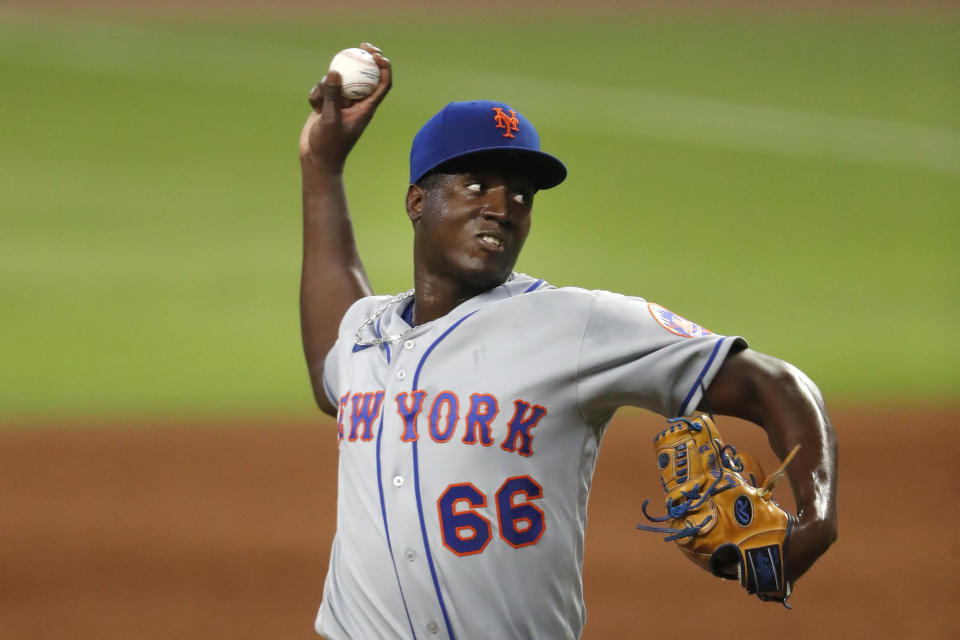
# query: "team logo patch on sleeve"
{"type": "Point", "coordinates": [675, 324]}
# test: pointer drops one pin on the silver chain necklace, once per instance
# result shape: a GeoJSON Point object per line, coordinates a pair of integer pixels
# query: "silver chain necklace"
{"type": "Point", "coordinates": [400, 297]}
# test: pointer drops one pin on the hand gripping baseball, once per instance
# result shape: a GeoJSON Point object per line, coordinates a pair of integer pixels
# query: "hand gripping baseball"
{"type": "Point", "coordinates": [336, 123]}
{"type": "Point", "coordinates": [719, 508]}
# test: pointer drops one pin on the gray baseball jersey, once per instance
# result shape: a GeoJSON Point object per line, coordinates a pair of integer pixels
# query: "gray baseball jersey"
{"type": "Point", "coordinates": [467, 449]}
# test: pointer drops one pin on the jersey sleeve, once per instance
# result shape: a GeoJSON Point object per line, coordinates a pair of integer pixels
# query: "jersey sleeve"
{"type": "Point", "coordinates": [331, 373]}
{"type": "Point", "coordinates": [638, 353]}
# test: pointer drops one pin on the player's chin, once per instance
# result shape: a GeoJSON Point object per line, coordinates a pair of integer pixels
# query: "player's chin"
{"type": "Point", "coordinates": [486, 273]}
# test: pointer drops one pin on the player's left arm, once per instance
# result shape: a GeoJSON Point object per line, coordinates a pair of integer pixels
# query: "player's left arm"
{"type": "Point", "coordinates": [788, 405]}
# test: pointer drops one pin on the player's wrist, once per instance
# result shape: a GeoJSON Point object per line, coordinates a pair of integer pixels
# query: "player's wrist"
{"type": "Point", "coordinates": [808, 541]}
{"type": "Point", "coordinates": [315, 168]}
{"type": "Point", "coordinates": [820, 530]}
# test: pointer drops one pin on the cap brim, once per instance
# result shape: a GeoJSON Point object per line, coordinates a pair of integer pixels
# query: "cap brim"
{"type": "Point", "coordinates": [545, 170]}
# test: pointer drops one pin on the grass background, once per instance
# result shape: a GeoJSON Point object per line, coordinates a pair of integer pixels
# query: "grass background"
{"type": "Point", "coordinates": [792, 177]}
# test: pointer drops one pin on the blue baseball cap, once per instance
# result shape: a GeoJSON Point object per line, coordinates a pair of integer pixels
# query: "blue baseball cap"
{"type": "Point", "coordinates": [462, 129]}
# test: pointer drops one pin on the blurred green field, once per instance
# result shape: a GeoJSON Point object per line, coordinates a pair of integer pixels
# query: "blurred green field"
{"type": "Point", "coordinates": [793, 179]}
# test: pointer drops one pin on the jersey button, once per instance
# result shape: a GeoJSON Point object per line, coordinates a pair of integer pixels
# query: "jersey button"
{"type": "Point", "coordinates": [401, 374]}
{"type": "Point", "coordinates": [398, 481]}
{"type": "Point", "coordinates": [409, 344]}
{"type": "Point", "coordinates": [433, 627]}
{"type": "Point", "coordinates": [410, 555]}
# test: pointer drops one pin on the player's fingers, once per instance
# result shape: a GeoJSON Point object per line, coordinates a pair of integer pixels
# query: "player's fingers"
{"type": "Point", "coordinates": [331, 95]}
{"type": "Point", "coordinates": [370, 48]}
{"type": "Point", "coordinates": [386, 78]}
{"type": "Point", "coordinates": [316, 97]}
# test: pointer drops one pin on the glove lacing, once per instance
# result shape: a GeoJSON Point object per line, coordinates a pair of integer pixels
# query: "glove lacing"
{"type": "Point", "coordinates": [694, 498]}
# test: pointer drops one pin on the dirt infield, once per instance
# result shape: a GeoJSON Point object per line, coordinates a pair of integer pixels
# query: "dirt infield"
{"type": "Point", "coordinates": [223, 532]}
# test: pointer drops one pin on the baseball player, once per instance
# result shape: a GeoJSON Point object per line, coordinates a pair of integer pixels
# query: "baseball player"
{"type": "Point", "coordinates": [470, 409]}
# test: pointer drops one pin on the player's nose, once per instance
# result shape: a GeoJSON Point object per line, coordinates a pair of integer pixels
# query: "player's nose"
{"type": "Point", "coordinates": [496, 203]}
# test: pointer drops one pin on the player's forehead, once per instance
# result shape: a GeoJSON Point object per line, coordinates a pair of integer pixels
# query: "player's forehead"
{"type": "Point", "coordinates": [492, 167]}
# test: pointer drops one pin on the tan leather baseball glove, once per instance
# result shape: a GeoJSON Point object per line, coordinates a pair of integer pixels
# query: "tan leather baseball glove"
{"type": "Point", "coordinates": [719, 509]}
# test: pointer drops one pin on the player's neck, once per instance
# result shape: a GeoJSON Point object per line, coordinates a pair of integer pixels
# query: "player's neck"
{"type": "Point", "coordinates": [437, 296]}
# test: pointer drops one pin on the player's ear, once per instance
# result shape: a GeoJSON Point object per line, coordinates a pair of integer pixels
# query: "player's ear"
{"type": "Point", "coordinates": [415, 196]}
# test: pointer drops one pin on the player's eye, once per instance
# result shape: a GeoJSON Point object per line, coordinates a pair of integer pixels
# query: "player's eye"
{"type": "Point", "coordinates": [520, 198]}
{"type": "Point", "coordinates": [474, 187]}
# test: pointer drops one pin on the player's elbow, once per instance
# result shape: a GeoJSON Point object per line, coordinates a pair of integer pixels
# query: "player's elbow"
{"type": "Point", "coordinates": [777, 381]}
{"type": "Point", "coordinates": [796, 385]}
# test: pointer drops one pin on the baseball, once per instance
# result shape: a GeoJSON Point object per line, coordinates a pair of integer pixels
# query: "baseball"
{"type": "Point", "coordinates": [359, 72]}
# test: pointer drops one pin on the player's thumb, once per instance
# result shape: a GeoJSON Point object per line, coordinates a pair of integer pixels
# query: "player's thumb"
{"type": "Point", "coordinates": [331, 95]}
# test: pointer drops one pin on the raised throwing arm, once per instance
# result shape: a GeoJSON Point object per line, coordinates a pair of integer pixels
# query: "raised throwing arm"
{"type": "Point", "coordinates": [332, 277]}
{"type": "Point", "coordinates": [787, 404]}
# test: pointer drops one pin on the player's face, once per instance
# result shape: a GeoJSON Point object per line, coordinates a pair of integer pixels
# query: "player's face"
{"type": "Point", "coordinates": [471, 225]}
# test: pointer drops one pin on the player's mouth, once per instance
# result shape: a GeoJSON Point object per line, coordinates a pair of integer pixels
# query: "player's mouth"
{"type": "Point", "coordinates": [491, 242]}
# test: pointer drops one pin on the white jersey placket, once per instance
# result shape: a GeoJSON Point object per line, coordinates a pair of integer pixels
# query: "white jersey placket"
{"type": "Point", "coordinates": [400, 493]}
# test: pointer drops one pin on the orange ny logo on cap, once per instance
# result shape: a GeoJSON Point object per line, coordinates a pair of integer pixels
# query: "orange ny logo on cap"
{"type": "Point", "coordinates": [504, 121]}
